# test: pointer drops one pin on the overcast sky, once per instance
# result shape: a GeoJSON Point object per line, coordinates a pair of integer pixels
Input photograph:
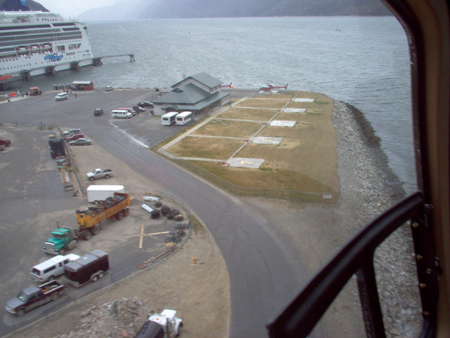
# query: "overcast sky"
{"type": "Point", "coordinates": [71, 8]}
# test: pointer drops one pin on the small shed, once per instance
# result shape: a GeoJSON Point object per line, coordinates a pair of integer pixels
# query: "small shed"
{"type": "Point", "coordinates": [83, 85]}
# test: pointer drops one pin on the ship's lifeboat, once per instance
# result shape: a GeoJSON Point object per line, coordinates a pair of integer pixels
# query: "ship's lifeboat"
{"type": "Point", "coordinates": [22, 50]}
{"type": "Point", "coordinates": [46, 46]}
{"type": "Point", "coordinates": [34, 48]}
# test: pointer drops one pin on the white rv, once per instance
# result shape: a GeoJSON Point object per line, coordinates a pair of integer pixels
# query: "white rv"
{"type": "Point", "coordinates": [183, 118]}
{"type": "Point", "coordinates": [168, 119]}
{"type": "Point", "coordinates": [97, 193]}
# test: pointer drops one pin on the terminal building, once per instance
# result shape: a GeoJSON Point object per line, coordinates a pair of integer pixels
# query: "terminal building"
{"type": "Point", "coordinates": [199, 94]}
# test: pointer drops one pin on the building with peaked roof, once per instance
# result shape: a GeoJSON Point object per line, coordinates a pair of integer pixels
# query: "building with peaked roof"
{"type": "Point", "coordinates": [198, 93]}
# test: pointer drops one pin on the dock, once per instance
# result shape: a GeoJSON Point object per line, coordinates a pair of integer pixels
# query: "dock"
{"type": "Point", "coordinates": [50, 70]}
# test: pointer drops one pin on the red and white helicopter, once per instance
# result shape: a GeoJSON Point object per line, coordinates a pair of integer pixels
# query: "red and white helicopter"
{"type": "Point", "coordinates": [228, 86]}
{"type": "Point", "coordinates": [269, 87]}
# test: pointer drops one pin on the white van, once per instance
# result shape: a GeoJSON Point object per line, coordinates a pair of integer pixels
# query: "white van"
{"type": "Point", "coordinates": [61, 96]}
{"type": "Point", "coordinates": [121, 114]}
{"type": "Point", "coordinates": [51, 268]}
{"type": "Point", "coordinates": [184, 118]}
{"type": "Point", "coordinates": [168, 119]}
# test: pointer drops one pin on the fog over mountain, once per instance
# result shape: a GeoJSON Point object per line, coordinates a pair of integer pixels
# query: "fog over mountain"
{"type": "Point", "coordinates": [145, 9]}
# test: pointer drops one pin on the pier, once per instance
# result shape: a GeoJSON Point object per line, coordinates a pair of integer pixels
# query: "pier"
{"type": "Point", "coordinates": [97, 61]}
{"type": "Point", "coordinates": [25, 74]}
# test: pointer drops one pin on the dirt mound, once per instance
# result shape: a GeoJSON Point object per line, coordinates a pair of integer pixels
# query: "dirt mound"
{"type": "Point", "coordinates": [122, 317]}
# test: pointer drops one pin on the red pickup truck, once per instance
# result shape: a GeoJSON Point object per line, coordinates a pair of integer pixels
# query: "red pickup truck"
{"type": "Point", "coordinates": [74, 137]}
{"type": "Point", "coordinates": [5, 142]}
{"type": "Point", "coordinates": [33, 297]}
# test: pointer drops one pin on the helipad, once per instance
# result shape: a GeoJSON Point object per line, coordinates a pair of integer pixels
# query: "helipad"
{"type": "Point", "coordinates": [243, 162]}
{"type": "Point", "coordinates": [282, 123]}
{"type": "Point", "coordinates": [303, 100]}
{"type": "Point", "coordinates": [266, 140]}
{"type": "Point", "coordinates": [294, 110]}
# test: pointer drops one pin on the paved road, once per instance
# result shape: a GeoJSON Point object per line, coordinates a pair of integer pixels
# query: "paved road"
{"type": "Point", "coordinates": [264, 270]}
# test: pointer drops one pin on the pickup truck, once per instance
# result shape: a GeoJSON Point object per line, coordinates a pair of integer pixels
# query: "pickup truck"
{"type": "Point", "coordinates": [5, 142]}
{"type": "Point", "coordinates": [73, 137]}
{"type": "Point", "coordinates": [99, 173]}
{"type": "Point", "coordinates": [33, 297]}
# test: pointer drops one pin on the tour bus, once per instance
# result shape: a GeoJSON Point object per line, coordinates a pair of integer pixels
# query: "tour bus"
{"type": "Point", "coordinates": [168, 119]}
{"type": "Point", "coordinates": [183, 118]}
{"type": "Point", "coordinates": [88, 268]}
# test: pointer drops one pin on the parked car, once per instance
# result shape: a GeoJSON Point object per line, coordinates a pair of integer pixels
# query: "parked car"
{"type": "Point", "coordinates": [130, 110]}
{"type": "Point", "coordinates": [61, 96]}
{"type": "Point", "coordinates": [138, 109]}
{"type": "Point", "coordinates": [5, 142]}
{"type": "Point", "coordinates": [74, 137]}
{"type": "Point", "coordinates": [98, 112]}
{"type": "Point", "coordinates": [34, 296]}
{"type": "Point", "coordinates": [71, 131]}
{"type": "Point", "coordinates": [145, 104]}
{"type": "Point", "coordinates": [71, 134]}
{"type": "Point", "coordinates": [51, 268]}
{"type": "Point", "coordinates": [124, 114]}
{"type": "Point", "coordinates": [81, 142]}
{"type": "Point", "coordinates": [108, 88]}
{"type": "Point", "coordinates": [99, 173]}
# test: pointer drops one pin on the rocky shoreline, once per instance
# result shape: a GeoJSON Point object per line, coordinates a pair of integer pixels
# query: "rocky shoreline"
{"type": "Point", "coordinates": [367, 188]}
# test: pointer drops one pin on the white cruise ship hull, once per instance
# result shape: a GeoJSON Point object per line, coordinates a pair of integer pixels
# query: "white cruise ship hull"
{"type": "Point", "coordinates": [38, 43]}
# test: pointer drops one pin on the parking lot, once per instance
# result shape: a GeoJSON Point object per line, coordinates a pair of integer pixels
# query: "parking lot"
{"type": "Point", "coordinates": [34, 202]}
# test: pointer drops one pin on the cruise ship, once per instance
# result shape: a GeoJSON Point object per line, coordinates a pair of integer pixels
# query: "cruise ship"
{"type": "Point", "coordinates": [36, 43]}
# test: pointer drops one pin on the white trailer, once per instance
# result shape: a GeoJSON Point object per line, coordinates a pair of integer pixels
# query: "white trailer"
{"type": "Point", "coordinates": [96, 193]}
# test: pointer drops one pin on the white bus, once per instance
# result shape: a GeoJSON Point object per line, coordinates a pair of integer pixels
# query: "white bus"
{"type": "Point", "coordinates": [184, 118]}
{"type": "Point", "coordinates": [168, 119]}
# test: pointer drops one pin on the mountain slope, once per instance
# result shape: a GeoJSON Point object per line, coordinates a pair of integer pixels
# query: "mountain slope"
{"type": "Point", "coordinates": [250, 8]}
{"type": "Point", "coordinates": [145, 9]}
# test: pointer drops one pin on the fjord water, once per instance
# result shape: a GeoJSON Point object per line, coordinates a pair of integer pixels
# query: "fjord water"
{"type": "Point", "coordinates": [360, 60]}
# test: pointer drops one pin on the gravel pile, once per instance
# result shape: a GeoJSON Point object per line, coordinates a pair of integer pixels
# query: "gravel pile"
{"type": "Point", "coordinates": [119, 318]}
{"type": "Point", "coordinates": [368, 187]}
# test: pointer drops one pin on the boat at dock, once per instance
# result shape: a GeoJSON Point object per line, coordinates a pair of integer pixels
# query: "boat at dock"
{"type": "Point", "coordinates": [37, 43]}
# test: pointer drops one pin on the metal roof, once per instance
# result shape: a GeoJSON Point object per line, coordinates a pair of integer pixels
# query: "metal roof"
{"type": "Point", "coordinates": [203, 78]}
{"type": "Point", "coordinates": [185, 94]}
{"type": "Point", "coordinates": [199, 105]}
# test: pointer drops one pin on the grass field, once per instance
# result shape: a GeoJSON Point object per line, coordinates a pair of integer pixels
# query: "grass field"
{"type": "Point", "coordinates": [305, 159]}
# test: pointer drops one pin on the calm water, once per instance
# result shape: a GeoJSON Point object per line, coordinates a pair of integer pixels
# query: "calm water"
{"type": "Point", "coordinates": [366, 63]}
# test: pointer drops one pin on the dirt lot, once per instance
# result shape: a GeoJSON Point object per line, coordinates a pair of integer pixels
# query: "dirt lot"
{"type": "Point", "coordinates": [198, 290]}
